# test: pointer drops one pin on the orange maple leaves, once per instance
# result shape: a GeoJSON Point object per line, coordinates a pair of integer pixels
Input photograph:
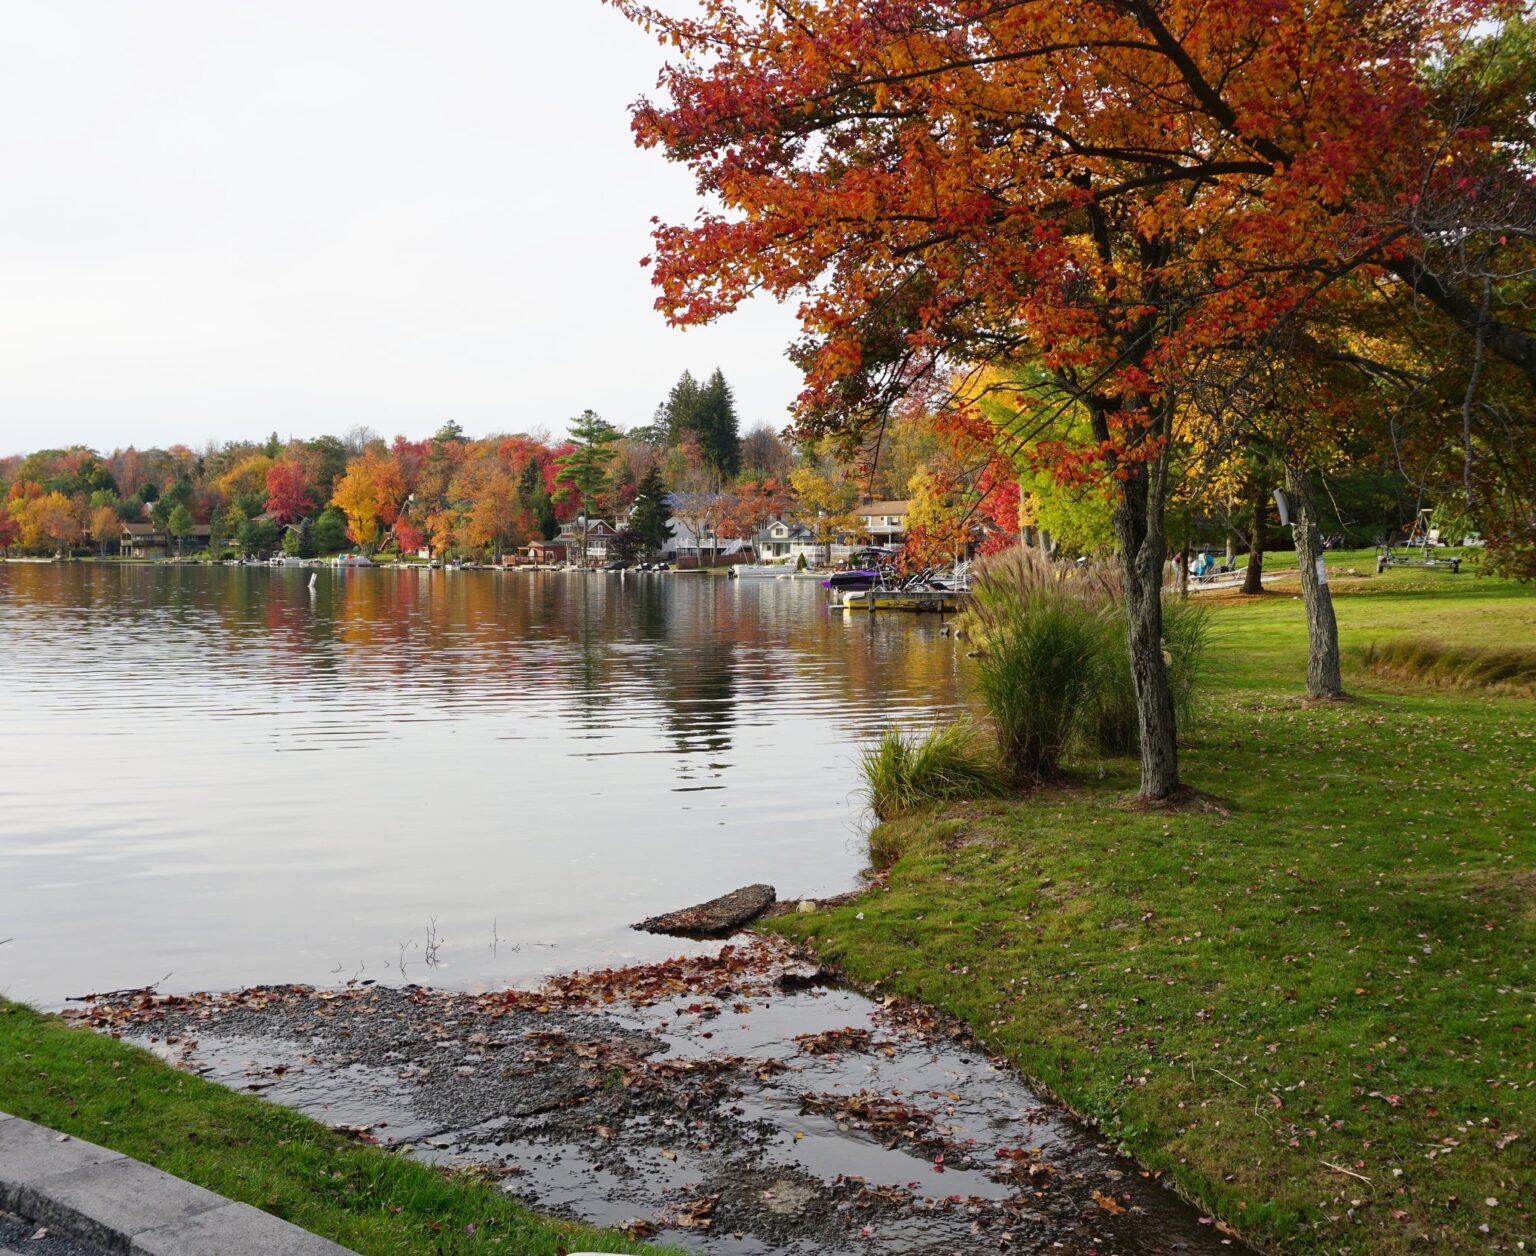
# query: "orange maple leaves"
{"type": "Point", "coordinates": [1111, 187]}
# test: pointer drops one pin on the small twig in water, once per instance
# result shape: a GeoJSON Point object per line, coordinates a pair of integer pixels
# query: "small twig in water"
{"type": "Point", "coordinates": [403, 947]}
{"type": "Point", "coordinates": [429, 952]}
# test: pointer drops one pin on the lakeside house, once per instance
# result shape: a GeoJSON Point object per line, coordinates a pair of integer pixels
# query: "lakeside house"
{"type": "Point", "coordinates": [781, 540]}
{"type": "Point", "coordinates": [547, 553]}
{"type": "Point", "coordinates": [884, 523]}
{"type": "Point", "coordinates": [144, 540]}
{"type": "Point", "coordinates": [581, 535]}
{"type": "Point", "coordinates": [704, 547]}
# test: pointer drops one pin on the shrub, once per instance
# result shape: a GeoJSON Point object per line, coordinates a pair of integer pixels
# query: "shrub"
{"type": "Point", "coordinates": [1039, 668]}
{"type": "Point", "coordinates": [1110, 723]}
{"type": "Point", "coordinates": [946, 763]}
{"type": "Point", "coordinates": [1510, 669]}
{"type": "Point", "coordinates": [1053, 668]}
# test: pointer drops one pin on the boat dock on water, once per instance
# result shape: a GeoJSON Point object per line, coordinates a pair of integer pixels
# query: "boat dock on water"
{"type": "Point", "coordinates": [902, 600]}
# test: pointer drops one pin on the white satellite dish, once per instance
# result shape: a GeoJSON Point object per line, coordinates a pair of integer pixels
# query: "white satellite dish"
{"type": "Point", "coordinates": [1283, 505]}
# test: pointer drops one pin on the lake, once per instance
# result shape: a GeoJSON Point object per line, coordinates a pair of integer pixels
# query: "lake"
{"type": "Point", "coordinates": [212, 777]}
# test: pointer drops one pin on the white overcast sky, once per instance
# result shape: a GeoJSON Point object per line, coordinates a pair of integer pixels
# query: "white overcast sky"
{"type": "Point", "coordinates": [220, 218]}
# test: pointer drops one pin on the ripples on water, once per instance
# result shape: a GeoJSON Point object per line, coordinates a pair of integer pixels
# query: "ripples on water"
{"type": "Point", "coordinates": [223, 775]}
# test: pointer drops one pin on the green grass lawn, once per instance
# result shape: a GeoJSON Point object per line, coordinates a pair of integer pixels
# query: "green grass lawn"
{"type": "Point", "coordinates": [110, 1093]}
{"type": "Point", "coordinates": [1313, 1015]}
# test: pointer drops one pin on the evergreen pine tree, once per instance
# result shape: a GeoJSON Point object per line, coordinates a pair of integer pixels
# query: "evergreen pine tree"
{"type": "Point", "coordinates": [719, 436]}
{"type": "Point", "coordinates": [585, 468]}
{"type": "Point", "coordinates": [681, 409]}
{"type": "Point", "coordinates": [652, 519]}
{"type": "Point", "coordinates": [535, 499]}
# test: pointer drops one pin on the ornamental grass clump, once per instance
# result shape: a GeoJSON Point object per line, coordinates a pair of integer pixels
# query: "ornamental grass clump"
{"type": "Point", "coordinates": [1506, 670]}
{"type": "Point", "coordinates": [1109, 720]}
{"type": "Point", "coordinates": [1037, 673]}
{"type": "Point", "coordinates": [946, 763]}
{"type": "Point", "coordinates": [1052, 668]}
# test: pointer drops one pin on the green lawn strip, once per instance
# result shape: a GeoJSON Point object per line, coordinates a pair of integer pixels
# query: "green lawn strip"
{"type": "Point", "coordinates": [1335, 979]}
{"type": "Point", "coordinates": [119, 1096]}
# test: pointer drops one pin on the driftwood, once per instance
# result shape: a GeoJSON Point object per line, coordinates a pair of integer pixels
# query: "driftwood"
{"type": "Point", "coordinates": [719, 916]}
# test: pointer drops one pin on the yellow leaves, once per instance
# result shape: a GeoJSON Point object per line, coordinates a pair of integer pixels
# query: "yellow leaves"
{"type": "Point", "coordinates": [48, 520]}
{"type": "Point", "coordinates": [247, 478]}
{"type": "Point", "coordinates": [369, 494]}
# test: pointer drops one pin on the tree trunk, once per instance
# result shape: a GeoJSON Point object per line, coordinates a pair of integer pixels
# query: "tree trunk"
{"type": "Point", "coordinates": [1323, 677]}
{"type": "Point", "coordinates": [1139, 528]}
{"type": "Point", "coordinates": [1253, 576]}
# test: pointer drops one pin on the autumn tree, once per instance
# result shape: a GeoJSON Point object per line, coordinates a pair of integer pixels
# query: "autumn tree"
{"type": "Point", "coordinates": [495, 516]}
{"type": "Point", "coordinates": [246, 482]}
{"type": "Point", "coordinates": [937, 520]}
{"type": "Point", "coordinates": [106, 527]}
{"type": "Point", "coordinates": [47, 521]}
{"type": "Point", "coordinates": [824, 499]}
{"type": "Point", "coordinates": [179, 527]}
{"type": "Point", "coordinates": [754, 505]}
{"type": "Point", "coordinates": [288, 498]}
{"type": "Point", "coordinates": [764, 454]}
{"type": "Point", "coordinates": [1108, 189]}
{"type": "Point", "coordinates": [370, 494]}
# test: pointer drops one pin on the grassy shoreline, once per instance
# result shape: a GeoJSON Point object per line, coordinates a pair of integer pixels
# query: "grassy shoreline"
{"type": "Point", "coordinates": [1312, 1014]}
{"type": "Point", "coordinates": [116, 1095]}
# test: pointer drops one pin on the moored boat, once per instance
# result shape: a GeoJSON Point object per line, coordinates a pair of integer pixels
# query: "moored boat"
{"type": "Point", "coordinates": [758, 571]}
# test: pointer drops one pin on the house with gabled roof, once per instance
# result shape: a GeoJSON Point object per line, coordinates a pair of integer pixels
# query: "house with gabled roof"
{"type": "Point", "coordinates": [885, 523]}
{"type": "Point", "coordinates": [590, 536]}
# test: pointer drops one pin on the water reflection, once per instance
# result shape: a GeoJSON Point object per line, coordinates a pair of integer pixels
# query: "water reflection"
{"type": "Point", "coordinates": [228, 775]}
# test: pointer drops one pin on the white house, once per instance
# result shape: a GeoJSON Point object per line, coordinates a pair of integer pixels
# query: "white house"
{"type": "Point", "coordinates": [706, 547]}
{"type": "Point", "coordinates": [778, 538]}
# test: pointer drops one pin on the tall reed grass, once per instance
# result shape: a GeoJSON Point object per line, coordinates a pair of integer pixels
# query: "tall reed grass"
{"type": "Point", "coordinates": [1507, 670]}
{"type": "Point", "coordinates": [946, 763]}
{"type": "Point", "coordinates": [1053, 670]}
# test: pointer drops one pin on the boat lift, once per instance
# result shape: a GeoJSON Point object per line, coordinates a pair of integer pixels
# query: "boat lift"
{"type": "Point", "coordinates": [1422, 538]}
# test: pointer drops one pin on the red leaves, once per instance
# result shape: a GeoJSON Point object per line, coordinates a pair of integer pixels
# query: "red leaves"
{"type": "Point", "coordinates": [1075, 184]}
{"type": "Point", "coordinates": [288, 496]}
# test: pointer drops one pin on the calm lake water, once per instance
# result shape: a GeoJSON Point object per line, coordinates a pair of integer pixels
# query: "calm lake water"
{"type": "Point", "coordinates": [462, 779]}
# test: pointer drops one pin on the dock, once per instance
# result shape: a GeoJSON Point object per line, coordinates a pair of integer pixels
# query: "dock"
{"type": "Point", "coordinates": [901, 600]}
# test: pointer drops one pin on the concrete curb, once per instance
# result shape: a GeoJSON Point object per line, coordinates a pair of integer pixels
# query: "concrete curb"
{"type": "Point", "coordinates": [130, 1209]}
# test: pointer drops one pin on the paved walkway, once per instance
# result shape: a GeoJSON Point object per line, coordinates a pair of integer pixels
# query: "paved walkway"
{"type": "Point", "coordinates": [105, 1201]}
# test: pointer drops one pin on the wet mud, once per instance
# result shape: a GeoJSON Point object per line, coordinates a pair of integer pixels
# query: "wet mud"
{"type": "Point", "coordinates": [738, 1103]}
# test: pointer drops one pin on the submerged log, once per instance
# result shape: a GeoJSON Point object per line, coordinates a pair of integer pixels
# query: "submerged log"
{"type": "Point", "coordinates": [719, 916]}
